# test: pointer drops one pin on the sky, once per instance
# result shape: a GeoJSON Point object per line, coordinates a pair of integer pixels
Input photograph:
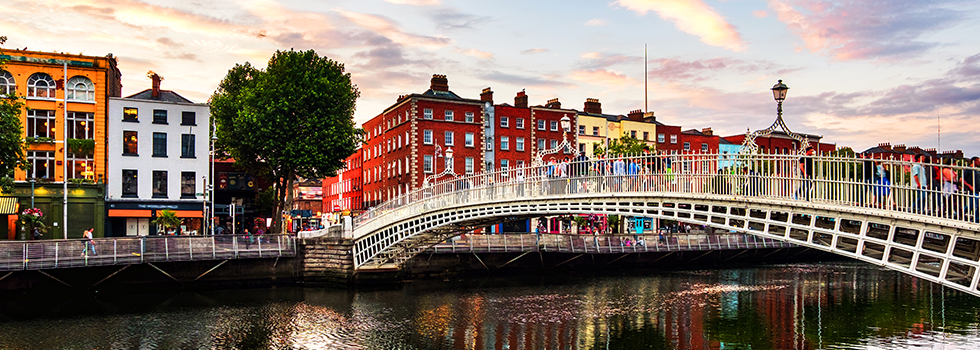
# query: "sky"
{"type": "Point", "coordinates": [860, 72]}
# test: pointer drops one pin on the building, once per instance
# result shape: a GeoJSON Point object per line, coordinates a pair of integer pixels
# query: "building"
{"type": "Point", "coordinates": [703, 141]}
{"type": "Point", "coordinates": [159, 160]}
{"type": "Point", "coordinates": [342, 193]}
{"type": "Point", "coordinates": [66, 105]}
{"type": "Point", "coordinates": [885, 150]}
{"type": "Point", "coordinates": [779, 142]}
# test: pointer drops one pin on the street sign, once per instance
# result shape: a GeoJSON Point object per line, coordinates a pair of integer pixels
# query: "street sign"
{"type": "Point", "coordinates": [336, 208]}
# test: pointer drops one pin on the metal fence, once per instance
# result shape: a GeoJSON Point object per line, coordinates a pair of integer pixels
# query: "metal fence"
{"type": "Point", "coordinates": [51, 254]}
{"type": "Point", "coordinates": [602, 244]}
{"type": "Point", "coordinates": [886, 185]}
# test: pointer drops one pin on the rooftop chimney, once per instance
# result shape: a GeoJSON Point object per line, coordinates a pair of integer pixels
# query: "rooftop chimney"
{"type": "Point", "coordinates": [156, 78]}
{"type": "Point", "coordinates": [634, 115]}
{"type": "Point", "coordinates": [439, 83]}
{"type": "Point", "coordinates": [593, 106]}
{"type": "Point", "coordinates": [885, 146]}
{"type": "Point", "coordinates": [931, 151]}
{"type": "Point", "coordinates": [520, 101]}
{"type": "Point", "coordinates": [649, 117]}
{"type": "Point", "coordinates": [553, 103]}
{"type": "Point", "coordinates": [899, 148]}
{"type": "Point", "coordinates": [486, 95]}
{"type": "Point", "coordinates": [707, 131]}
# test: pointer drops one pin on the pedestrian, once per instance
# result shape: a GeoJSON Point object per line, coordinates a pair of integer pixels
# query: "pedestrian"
{"type": "Point", "coordinates": [36, 233]}
{"type": "Point", "coordinates": [806, 174]}
{"type": "Point", "coordinates": [89, 242]}
{"type": "Point", "coordinates": [248, 239]}
{"type": "Point", "coordinates": [920, 182]}
{"type": "Point", "coordinates": [971, 179]}
{"type": "Point", "coordinates": [883, 187]}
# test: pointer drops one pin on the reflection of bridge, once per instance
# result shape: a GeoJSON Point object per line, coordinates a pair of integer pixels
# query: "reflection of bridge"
{"type": "Point", "coordinates": [927, 233]}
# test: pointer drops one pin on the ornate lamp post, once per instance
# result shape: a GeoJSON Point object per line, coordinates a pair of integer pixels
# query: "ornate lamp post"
{"type": "Point", "coordinates": [566, 126]}
{"type": "Point", "coordinates": [779, 94]}
{"type": "Point", "coordinates": [435, 162]}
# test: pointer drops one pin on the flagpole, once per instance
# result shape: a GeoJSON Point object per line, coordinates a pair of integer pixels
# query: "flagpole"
{"type": "Point", "coordinates": [64, 150]}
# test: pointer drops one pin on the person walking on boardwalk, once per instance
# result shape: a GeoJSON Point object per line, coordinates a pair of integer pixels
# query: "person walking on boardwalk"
{"type": "Point", "coordinates": [89, 242]}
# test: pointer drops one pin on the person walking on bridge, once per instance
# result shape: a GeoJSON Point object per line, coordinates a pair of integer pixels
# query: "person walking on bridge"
{"type": "Point", "coordinates": [806, 173]}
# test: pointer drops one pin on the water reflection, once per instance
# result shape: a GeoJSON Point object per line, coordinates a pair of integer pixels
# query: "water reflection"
{"type": "Point", "coordinates": [799, 306]}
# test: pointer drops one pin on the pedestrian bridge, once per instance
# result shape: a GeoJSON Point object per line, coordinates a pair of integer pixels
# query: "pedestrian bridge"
{"type": "Point", "coordinates": [928, 232]}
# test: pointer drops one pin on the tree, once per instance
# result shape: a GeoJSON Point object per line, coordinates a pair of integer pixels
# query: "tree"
{"type": "Point", "coordinates": [293, 119]}
{"type": "Point", "coordinates": [12, 144]}
{"type": "Point", "coordinates": [167, 219]}
{"type": "Point", "coordinates": [626, 146]}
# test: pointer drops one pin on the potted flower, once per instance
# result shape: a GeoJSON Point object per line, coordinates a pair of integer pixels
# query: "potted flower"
{"type": "Point", "coordinates": [32, 219]}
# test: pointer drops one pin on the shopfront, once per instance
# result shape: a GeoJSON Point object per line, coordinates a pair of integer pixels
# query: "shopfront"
{"type": "Point", "coordinates": [136, 218]}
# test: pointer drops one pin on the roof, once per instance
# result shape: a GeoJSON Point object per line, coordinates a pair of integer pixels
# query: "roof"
{"type": "Point", "coordinates": [722, 141]}
{"type": "Point", "coordinates": [165, 96]}
{"type": "Point", "coordinates": [443, 94]}
{"type": "Point", "coordinates": [693, 132]}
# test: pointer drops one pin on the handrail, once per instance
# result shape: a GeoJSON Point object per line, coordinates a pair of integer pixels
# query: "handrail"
{"type": "Point", "coordinates": [602, 244]}
{"type": "Point", "coordinates": [68, 253]}
{"type": "Point", "coordinates": [842, 181]}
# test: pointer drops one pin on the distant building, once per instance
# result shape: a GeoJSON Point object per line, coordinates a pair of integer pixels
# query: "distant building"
{"type": "Point", "coordinates": [703, 141]}
{"type": "Point", "coordinates": [159, 159]}
{"type": "Point", "coordinates": [781, 143]}
{"type": "Point", "coordinates": [900, 152]}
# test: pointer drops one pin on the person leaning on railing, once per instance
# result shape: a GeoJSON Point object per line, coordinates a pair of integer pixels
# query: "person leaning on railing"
{"type": "Point", "coordinates": [971, 178]}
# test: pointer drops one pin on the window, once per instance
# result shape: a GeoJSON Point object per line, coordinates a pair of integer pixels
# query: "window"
{"type": "Point", "coordinates": [504, 164]}
{"type": "Point", "coordinates": [468, 165]}
{"type": "Point", "coordinates": [519, 123]}
{"type": "Point", "coordinates": [449, 163]}
{"type": "Point", "coordinates": [687, 146]}
{"type": "Point", "coordinates": [540, 124]}
{"type": "Point", "coordinates": [159, 184]}
{"type": "Point", "coordinates": [187, 145]}
{"type": "Point", "coordinates": [581, 147]}
{"type": "Point", "coordinates": [40, 123]}
{"type": "Point", "coordinates": [130, 143]}
{"type": "Point", "coordinates": [704, 147]}
{"type": "Point", "coordinates": [130, 114]}
{"type": "Point", "coordinates": [519, 144]}
{"type": "Point", "coordinates": [81, 89]}
{"type": "Point", "coordinates": [646, 136]}
{"type": "Point", "coordinates": [449, 115]}
{"type": "Point", "coordinates": [633, 134]}
{"type": "Point", "coordinates": [469, 138]}
{"type": "Point", "coordinates": [504, 122]}
{"type": "Point", "coordinates": [427, 113]}
{"type": "Point", "coordinates": [469, 117]}
{"type": "Point", "coordinates": [188, 118]}
{"type": "Point", "coordinates": [40, 85]}
{"type": "Point", "coordinates": [187, 184]}
{"type": "Point", "coordinates": [427, 163]}
{"type": "Point", "coordinates": [42, 164]}
{"type": "Point", "coordinates": [427, 137]}
{"type": "Point", "coordinates": [660, 138]}
{"type": "Point", "coordinates": [673, 138]}
{"type": "Point", "coordinates": [595, 131]}
{"type": "Point", "coordinates": [81, 125]}
{"type": "Point", "coordinates": [504, 143]}
{"type": "Point", "coordinates": [554, 125]}
{"type": "Point", "coordinates": [554, 144]}
{"type": "Point", "coordinates": [159, 144]}
{"type": "Point", "coordinates": [81, 166]}
{"type": "Point", "coordinates": [520, 163]}
{"type": "Point", "coordinates": [159, 116]}
{"type": "Point", "coordinates": [450, 138]}
{"type": "Point", "coordinates": [7, 85]}
{"type": "Point", "coordinates": [129, 183]}
{"type": "Point", "coordinates": [581, 129]}
{"type": "Point", "coordinates": [540, 145]}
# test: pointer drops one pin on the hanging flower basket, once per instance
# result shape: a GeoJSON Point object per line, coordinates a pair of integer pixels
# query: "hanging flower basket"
{"type": "Point", "coordinates": [33, 218]}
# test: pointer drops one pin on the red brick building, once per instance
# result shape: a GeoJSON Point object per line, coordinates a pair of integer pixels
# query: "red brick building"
{"type": "Point", "coordinates": [780, 142]}
{"type": "Point", "coordinates": [343, 192]}
{"type": "Point", "coordinates": [704, 141]}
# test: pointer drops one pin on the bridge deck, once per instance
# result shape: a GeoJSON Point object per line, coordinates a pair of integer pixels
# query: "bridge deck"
{"type": "Point", "coordinates": [603, 244]}
{"type": "Point", "coordinates": [54, 254]}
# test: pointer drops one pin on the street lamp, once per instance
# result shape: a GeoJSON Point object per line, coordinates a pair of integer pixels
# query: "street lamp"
{"type": "Point", "coordinates": [449, 159]}
{"type": "Point", "coordinates": [779, 94]}
{"type": "Point", "coordinates": [214, 139]}
{"type": "Point", "coordinates": [566, 126]}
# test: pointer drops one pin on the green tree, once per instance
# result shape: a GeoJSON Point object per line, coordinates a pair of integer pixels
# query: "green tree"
{"type": "Point", "coordinates": [167, 219]}
{"type": "Point", "coordinates": [627, 146]}
{"type": "Point", "coordinates": [12, 144]}
{"type": "Point", "coordinates": [293, 119]}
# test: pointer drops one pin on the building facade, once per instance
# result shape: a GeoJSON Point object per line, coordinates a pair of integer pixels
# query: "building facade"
{"type": "Point", "coordinates": [64, 125]}
{"type": "Point", "coordinates": [158, 154]}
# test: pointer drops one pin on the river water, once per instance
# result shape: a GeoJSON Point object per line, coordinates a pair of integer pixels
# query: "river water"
{"type": "Point", "coordinates": [837, 305]}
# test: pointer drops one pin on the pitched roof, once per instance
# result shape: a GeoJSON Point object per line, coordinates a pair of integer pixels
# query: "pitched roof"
{"type": "Point", "coordinates": [443, 94]}
{"type": "Point", "coordinates": [165, 96]}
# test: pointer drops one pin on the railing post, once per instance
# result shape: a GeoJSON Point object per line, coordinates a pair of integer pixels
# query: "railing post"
{"type": "Point", "coordinates": [56, 254]}
{"type": "Point", "coordinates": [115, 251]}
{"type": "Point", "coordinates": [142, 249]}
{"type": "Point", "coordinates": [214, 251]}
{"type": "Point", "coordinates": [25, 256]}
{"type": "Point", "coordinates": [258, 240]}
{"type": "Point", "coordinates": [166, 248]}
{"type": "Point", "coordinates": [190, 247]}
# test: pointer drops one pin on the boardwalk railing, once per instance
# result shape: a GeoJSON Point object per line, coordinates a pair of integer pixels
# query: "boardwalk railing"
{"type": "Point", "coordinates": [885, 185]}
{"type": "Point", "coordinates": [602, 244]}
{"type": "Point", "coordinates": [51, 254]}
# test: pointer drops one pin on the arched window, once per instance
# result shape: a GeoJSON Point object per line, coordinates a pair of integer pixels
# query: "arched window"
{"type": "Point", "coordinates": [81, 89]}
{"type": "Point", "coordinates": [7, 86]}
{"type": "Point", "coordinates": [40, 85]}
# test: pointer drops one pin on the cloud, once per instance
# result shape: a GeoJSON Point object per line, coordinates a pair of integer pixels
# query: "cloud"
{"type": "Point", "coordinates": [383, 58]}
{"type": "Point", "coordinates": [534, 51]}
{"type": "Point", "coordinates": [595, 23]}
{"type": "Point", "coordinates": [527, 81]}
{"type": "Point", "coordinates": [415, 2]}
{"type": "Point", "coordinates": [672, 69]}
{"type": "Point", "coordinates": [452, 20]}
{"type": "Point", "coordinates": [602, 77]}
{"type": "Point", "coordinates": [693, 17]}
{"type": "Point", "coordinates": [182, 56]}
{"type": "Point", "coordinates": [475, 53]}
{"type": "Point", "coordinates": [760, 14]}
{"type": "Point", "coordinates": [856, 30]}
{"type": "Point", "coordinates": [386, 27]}
{"type": "Point", "coordinates": [596, 60]}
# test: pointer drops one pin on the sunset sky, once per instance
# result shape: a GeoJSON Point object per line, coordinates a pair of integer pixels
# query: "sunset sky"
{"type": "Point", "coordinates": [859, 72]}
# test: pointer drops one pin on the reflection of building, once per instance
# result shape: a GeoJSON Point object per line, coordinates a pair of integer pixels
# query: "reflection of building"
{"type": "Point", "coordinates": [158, 151]}
{"type": "Point", "coordinates": [50, 82]}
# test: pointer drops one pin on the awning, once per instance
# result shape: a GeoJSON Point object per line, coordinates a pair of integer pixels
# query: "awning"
{"type": "Point", "coordinates": [8, 205]}
{"type": "Point", "coordinates": [128, 213]}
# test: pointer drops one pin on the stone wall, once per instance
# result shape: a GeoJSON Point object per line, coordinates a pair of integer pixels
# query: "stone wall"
{"type": "Point", "coordinates": [326, 260]}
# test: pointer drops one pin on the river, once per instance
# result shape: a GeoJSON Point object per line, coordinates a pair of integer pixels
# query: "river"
{"type": "Point", "coordinates": [835, 305]}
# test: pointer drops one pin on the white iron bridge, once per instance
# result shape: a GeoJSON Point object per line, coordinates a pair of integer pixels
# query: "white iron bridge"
{"type": "Point", "coordinates": [869, 210]}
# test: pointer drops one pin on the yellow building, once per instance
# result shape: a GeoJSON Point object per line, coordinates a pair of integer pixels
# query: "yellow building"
{"type": "Point", "coordinates": [56, 87]}
{"type": "Point", "coordinates": [597, 128]}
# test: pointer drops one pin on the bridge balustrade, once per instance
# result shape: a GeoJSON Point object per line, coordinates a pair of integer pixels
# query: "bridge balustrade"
{"type": "Point", "coordinates": [51, 254]}
{"type": "Point", "coordinates": [602, 244]}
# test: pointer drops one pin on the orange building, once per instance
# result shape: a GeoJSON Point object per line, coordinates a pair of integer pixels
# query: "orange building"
{"type": "Point", "coordinates": [56, 88]}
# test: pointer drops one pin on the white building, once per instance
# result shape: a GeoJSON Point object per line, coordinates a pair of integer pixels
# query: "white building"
{"type": "Point", "coordinates": [158, 158]}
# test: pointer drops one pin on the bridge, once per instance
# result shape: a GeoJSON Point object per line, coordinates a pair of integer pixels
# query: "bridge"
{"type": "Point", "coordinates": [929, 232]}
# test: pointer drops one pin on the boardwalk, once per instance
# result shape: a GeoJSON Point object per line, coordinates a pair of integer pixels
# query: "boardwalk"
{"type": "Point", "coordinates": [603, 244]}
{"type": "Point", "coordinates": [54, 254]}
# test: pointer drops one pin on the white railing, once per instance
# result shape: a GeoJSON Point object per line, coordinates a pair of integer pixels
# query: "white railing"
{"type": "Point", "coordinates": [50, 254]}
{"type": "Point", "coordinates": [602, 244]}
{"type": "Point", "coordinates": [835, 180]}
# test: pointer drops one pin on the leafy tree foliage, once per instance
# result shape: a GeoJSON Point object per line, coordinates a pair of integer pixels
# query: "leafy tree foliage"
{"type": "Point", "coordinates": [11, 139]}
{"type": "Point", "coordinates": [293, 119]}
{"type": "Point", "coordinates": [623, 146]}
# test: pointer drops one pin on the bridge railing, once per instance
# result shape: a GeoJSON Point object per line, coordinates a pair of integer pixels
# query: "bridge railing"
{"type": "Point", "coordinates": [879, 184]}
{"type": "Point", "coordinates": [50, 254]}
{"type": "Point", "coordinates": [602, 244]}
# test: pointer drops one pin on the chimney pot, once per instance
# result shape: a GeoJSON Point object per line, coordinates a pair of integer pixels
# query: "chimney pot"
{"type": "Point", "coordinates": [439, 82]}
{"type": "Point", "coordinates": [486, 95]}
{"type": "Point", "coordinates": [553, 103]}
{"type": "Point", "coordinates": [593, 106]}
{"type": "Point", "coordinates": [707, 131]}
{"type": "Point", "coordinates": [156, 84]}
{"type": "Point", "coordinates": [520, 101]}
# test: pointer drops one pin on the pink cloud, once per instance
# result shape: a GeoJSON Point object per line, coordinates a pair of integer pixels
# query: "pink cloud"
{"type": "Point", "coordinates": [693, 17]}
{"type": "Point", "coordinates": [602, 77]}
{"type": "Point", "coordinates": [760, 14]}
